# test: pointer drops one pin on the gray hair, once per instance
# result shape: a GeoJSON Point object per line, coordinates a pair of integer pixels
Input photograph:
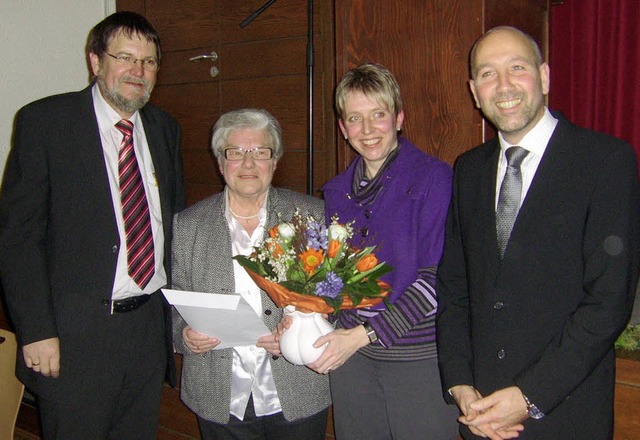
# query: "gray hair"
{"type": "Point", "coordinates": [246, 119]}
{"type": "Point", "coordinates": [531, 42]}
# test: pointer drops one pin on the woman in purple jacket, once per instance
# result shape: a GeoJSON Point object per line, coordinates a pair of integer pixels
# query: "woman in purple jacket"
{"type": "Point", "coordinates": [383, 362]}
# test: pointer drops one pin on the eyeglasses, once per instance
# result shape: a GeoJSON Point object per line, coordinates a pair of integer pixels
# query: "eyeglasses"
{"type": "Point", "coordinates": [238, 153]}
{"type": "Point", "coordinates": [148, 64]}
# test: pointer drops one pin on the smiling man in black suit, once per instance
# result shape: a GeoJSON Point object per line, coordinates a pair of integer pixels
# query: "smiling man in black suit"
{"type": "Point", "coordinates": [540, 262]}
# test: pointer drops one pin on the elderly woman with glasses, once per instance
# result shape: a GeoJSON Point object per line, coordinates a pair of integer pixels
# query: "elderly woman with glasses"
{"type": "Point", "coordinates": [251, 391]}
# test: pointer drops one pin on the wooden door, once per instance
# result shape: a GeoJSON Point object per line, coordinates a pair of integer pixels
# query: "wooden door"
{"type": "Point", "coordinates": [426, 44]}
{"type": "Point", "coordinates": [263, 65]}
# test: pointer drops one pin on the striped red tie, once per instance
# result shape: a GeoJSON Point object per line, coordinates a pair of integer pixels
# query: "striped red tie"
{"type": "Point", "coordinates": [135, 210]}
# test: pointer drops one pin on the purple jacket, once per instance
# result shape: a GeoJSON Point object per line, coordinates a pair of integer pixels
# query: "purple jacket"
{"type": "Point", "coordinates": [406, 222]}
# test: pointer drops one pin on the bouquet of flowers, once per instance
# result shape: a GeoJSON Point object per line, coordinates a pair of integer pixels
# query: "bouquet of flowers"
{"type": "Point", "coordinates": [314, 268]}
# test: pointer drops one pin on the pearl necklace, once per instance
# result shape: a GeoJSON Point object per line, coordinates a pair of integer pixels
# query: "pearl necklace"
{"type": "Point", "coordinates": [243, 217]}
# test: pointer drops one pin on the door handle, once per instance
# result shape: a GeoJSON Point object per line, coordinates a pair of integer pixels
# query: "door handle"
{"type": "Point", "coordinates": [213, 56]}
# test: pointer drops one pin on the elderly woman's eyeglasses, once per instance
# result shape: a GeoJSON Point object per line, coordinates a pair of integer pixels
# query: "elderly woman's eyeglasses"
{"type": "Point", "coordinates": [238, 153]}
{"type": "Point", "coordinates": [149, 64]}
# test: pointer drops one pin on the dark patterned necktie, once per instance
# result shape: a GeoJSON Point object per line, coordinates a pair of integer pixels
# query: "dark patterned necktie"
{"type": "Point", "coordinates": [135, 210]}
{"type": "Point", "coordinates": [509, 198]}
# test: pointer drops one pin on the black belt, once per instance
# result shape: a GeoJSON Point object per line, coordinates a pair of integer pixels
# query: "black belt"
{"type": "Point", "coordinates": [128, 304]}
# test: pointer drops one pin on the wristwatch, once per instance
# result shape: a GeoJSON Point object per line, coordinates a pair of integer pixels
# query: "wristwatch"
{"type": "Point", "coordinates": [371, 333]}
{"type": "Point", "coordinates": [533, 410]}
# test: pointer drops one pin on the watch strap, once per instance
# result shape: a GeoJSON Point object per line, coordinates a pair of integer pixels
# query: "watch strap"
{"type": "Point", "coordinates": [371, 333]}
{"type": "Point", "coordinates": [532, 410]}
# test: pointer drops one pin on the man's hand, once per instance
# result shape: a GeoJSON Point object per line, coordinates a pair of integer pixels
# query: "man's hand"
{"type": "Point", "coordinates": [503, 411]}
{"type": "Point", "coordinates": [43, 356]}
{"type": "Point", "coordinates": [468, 398]}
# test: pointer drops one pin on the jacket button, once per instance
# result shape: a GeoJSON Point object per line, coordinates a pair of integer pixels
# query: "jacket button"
{"type": "Point", "coordinates": [275, 358]}
{"type": "Point", "coordinates": [114, 249]}
{"type": "Point", "coordinates": [267, 312]}
{"type": "Point", "coordinates": [501, 354]}
{"type": "Point", "coordinates": [106, 302]}
{"type": "Point", "coordinates": [498, 305]}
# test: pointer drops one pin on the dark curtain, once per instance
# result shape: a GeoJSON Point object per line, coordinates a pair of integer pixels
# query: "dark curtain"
{"type": "Point", "coordinates": [594, 55]}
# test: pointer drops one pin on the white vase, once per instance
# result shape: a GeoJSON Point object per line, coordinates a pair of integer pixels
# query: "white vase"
{"type": "Point", "coordinates": [296, 343]}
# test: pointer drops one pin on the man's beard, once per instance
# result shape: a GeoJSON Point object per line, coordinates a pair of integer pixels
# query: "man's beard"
{"type": "Point", "coordinates": [120, 102]}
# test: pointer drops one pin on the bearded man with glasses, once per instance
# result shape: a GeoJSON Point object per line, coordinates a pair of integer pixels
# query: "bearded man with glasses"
{"type": "Point", "coordinates": [86, 210]}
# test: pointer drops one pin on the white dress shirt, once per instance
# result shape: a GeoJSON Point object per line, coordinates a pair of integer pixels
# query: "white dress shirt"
{"type": "Point", "coordinates": [536, 143]}
{"type": "Point", "coordinates": [124, 286]}
{"type": "Point", "coordinates": [251, 373]}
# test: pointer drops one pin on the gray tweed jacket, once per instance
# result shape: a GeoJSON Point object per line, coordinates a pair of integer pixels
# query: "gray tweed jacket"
{"type": "Point", "coordinates": [202, 262]}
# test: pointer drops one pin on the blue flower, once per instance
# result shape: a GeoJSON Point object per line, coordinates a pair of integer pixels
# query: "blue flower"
{"type": "Point", "coordinates": [331, 287]}
{"type": "Point", "coordinates": [317, 237]}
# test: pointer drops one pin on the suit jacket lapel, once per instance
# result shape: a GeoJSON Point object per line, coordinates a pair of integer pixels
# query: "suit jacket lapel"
{"type": "Point", "coordinates": [541, 191]}
{"type": "Point", "coordinates": [159, 155]}
{"type": "Point", "coordinates": [86, 145]}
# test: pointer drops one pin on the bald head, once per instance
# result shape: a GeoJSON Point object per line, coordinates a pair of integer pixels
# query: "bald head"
{"type": "Point", "coordinates": [509, 81]}
{"type": "Point", "coordinates": [500, 32]}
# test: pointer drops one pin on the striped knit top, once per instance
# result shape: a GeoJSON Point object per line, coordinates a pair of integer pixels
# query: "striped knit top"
{"type": "Point", "coordinates": [406, 223]}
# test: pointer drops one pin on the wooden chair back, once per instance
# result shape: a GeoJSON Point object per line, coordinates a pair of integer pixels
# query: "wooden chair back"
{"type": "Point", "coordinates": [11, 389]}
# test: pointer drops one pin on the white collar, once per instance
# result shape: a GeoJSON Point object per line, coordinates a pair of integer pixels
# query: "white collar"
{"type": "Point", "coordinates": [537, 139]}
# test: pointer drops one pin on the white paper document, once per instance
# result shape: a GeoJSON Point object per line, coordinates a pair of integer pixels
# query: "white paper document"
{"type": "Point", "coordinates": [227, 317]}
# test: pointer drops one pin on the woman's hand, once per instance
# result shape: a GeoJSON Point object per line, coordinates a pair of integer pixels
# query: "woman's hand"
{"type": "Point", "coordinates": [198, 342]}
{"type": "Point", "coordinates": [270, 343]}
{"type": "Point", "coordinates": [283, 325]}
{"type": "Point", "coordinates": [341, 345]}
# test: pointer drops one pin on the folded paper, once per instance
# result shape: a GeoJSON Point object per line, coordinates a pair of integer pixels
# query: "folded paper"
{"type": "Point", "coordinates": [227, 317]}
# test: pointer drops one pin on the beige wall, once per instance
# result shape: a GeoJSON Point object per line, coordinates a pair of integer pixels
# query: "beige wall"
{"type": "Point", "coordinates": [42, 53]}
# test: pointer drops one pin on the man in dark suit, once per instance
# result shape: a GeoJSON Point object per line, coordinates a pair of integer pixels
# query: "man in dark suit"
{"type": "Point", "coordinates": [529, 311]}
{"type": "Point", "coordinates": [91, 185]}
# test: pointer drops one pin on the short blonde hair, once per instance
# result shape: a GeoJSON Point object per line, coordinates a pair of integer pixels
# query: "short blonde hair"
{"type": "Point", "coordinates": [375, 81]}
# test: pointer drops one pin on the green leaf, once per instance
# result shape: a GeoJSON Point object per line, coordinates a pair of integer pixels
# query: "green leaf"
{"type": "Point", "coordinates": [294, 286]}
{"type": "Point", "coordinates": [254, 266]}
{"type": "Point", "coordinates": [375, 272]}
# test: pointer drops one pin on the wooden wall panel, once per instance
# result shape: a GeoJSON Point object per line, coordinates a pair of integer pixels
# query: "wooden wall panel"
{"type": "Point", "coordinates": [425, 44]}
{"type": "Point", "coordinates": [265, 58]}
{"type": "Point", "coordinates": [168, 18]}
{"type": "Point", "coordinates": [627, 399]}
{"type": "Point", "coordinates": [285, 18]}
{"type": "Point", "coordinates": [195, 106]}
{"type": "Point", "coordinates": [176, 68]}
{"type": "Point", "coordinates": [261, 65]}
{"type": "Point", "coordinates": [201, 166]}
{"type": "Point", "coordinates": [531, 16]}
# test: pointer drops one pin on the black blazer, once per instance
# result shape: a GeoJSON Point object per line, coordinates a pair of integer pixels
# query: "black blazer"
{"type": "Point", "coordinates": [544, 319]}
{"type": "Point", "coordinates": [58, 233]}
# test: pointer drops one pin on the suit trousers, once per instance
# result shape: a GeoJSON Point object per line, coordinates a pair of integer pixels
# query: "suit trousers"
{"type": "Point", "coordinates": [379, 400]}
{"type": "Point", "coordinates": [125, 380]}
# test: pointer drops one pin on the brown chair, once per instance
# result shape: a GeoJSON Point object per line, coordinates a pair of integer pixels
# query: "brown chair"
{"type": "Point", "coordinates": [11, 389]}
